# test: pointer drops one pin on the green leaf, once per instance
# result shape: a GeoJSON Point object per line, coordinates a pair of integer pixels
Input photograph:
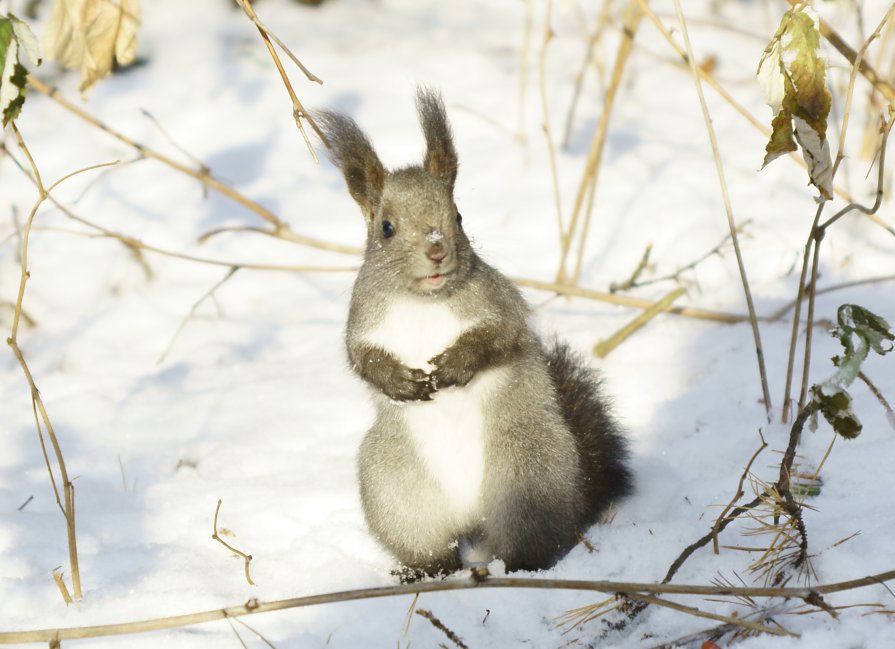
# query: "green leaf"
{"type": "Point", "coordinates": [859, 332]}
{"type": "Point", "coordinates": [14, 35]}
{"type": "Point", "coordinates": [19, 78]}
{"type": "Point", "coordinates": [835, 404]}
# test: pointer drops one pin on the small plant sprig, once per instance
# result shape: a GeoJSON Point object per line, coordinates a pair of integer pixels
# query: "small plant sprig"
{"type": "Point", "coordinates": [860, 332]}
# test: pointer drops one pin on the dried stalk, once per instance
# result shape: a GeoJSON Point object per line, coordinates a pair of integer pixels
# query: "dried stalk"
{"type": "Point", "coordinates": [735, 621]}
{"type": "Point", "coordinates": [68, 489]}
{"type": "Point", "coordinates": [63, 589]}
{"type": "Point", "coordinates": [739, 493]}
{"type": "Point", "coordinates": [246, 557]}
{"type": "Point", "coordinates": [604, 347]}
{"type": "Point", "coordinates": [592, 41]}
{"type": "Point", "coordinates": [879, 397]}
{"type": "Point", "coordinates": [298, 111]}
{"type": "Point", "coordinates": [815, 238]}
{"type": "Point", "coordinates": [523, 69]}
{"type": "Point", "coordinates": [138, 246]}
{"type": "Point", "coordinates": [210, 292]}
{"type": "Point", "coordinates": [753, 319]}
{"type": "Point", "coordinates": [726, 96]}
{"type": "Point", "coordinates": [588, 182]}
{"type": "Point", "coordinates": [279, 228]}
{"type": "Point", "coordinates": [789, 306]}
{"type": "Point", "coordinates": [438, 624]}
{"type": "Point", "coordinates": [812, 246]}
{"type": "Point", "coordinates": [253, 606]}
{"type": "Point", "coordinates": [545, 111]}
{"type": "Point", "coordinates": [631, 282]}
{"type": "Point", "coordinates": [627, 300]}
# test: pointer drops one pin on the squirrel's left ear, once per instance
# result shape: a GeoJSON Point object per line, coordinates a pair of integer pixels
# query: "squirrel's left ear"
{"type": "Point", "coordinates": [441, 157]}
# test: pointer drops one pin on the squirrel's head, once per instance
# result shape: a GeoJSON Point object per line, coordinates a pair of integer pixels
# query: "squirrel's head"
{"type": "Point", "coordinates": [415, 239]}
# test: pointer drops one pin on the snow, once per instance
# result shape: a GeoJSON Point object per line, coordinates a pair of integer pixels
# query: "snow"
{"type": "Point", "coordinates": [254, 403]}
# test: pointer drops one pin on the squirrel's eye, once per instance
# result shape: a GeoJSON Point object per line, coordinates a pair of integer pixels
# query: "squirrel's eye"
{"type": "Point", "coordinates": [387, 229]}
{"type": "Point", "coordinates": [459, 219]}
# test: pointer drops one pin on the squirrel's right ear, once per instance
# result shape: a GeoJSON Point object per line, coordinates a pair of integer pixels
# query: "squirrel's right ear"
{"type": "Point", "coordinates": [351, 151]}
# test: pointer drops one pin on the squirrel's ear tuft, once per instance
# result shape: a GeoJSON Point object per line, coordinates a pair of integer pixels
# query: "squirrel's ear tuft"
{"type": "Point", "coordinates": [441, 157]}
{"type": "Point", "coordinates": [350, 150]}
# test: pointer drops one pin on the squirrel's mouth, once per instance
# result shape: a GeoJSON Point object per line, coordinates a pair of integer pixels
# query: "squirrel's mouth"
{"type": "Point", "coordinates": [434, 281]}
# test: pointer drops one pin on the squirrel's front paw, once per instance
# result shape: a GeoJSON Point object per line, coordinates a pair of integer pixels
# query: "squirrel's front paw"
{"type": "Point", "coordinates": [451, 368]}
{"type": "Point", "coordinates": [408, 384]}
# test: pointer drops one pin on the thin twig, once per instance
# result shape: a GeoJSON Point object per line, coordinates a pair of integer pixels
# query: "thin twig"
{"type": "Point", "coordinates": [631, 282]}
{"type": "Point", "coordinates": [628, 300]}
{"type": "Point", "coordinates": [298, 111]}
{"type": "Point", "coordinates": [545, 112]}
{"type": "Point", "coordinates": [210, 292]}
{"type": "Point", "coordinates": [246, 557]}
{"type": "Point", "coordinates": [137, 246]}
{"type": "Point", "coordinates": [204, 169]}
{"type": "Point", "coordinates": [438, 624]}
{"type": "Point", "coordinates": [890, 414]}
{"type": "Point", "coordinates": [739, 493]}
{"type": "Point", "coordinates": [731, 223]}
{"type": "Point", "coordinates": [789, 306]}
{"type": "Point", "coordinates": [523, 69]}
{"type": "Point", "coordinates": [690, 610]}
{"type": "Point", "coordinates": [587, 185]}
{"type": "Point", "coordinates": [724, 94]}
{"type": "Point", "coordinates": [281, 229]}
{"type": "Point", "coordinates": [592, 41]}
{"type": "Point", "coordinates": [256, 632]}
{"type": "Point", "coordinates": [68, 489]}
{"type": "Point", "coordinates": [816, 237]}
{"type": "Point", "coordinates": [253, 606]}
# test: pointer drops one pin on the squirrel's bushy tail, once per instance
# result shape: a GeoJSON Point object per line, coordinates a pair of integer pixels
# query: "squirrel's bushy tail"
{"type": "Point", "coordinates": [601, 445]}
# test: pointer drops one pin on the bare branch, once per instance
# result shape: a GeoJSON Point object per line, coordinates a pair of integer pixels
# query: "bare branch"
{"type": "Point", "coordinates": [246, 557]}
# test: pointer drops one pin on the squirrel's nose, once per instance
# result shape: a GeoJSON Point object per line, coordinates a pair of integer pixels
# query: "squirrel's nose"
{"type": "Point", "coordinates": [436, 252]}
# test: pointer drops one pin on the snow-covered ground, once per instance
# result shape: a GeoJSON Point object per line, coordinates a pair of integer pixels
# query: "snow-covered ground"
{"type": "Point", "coordinates": [254, 404]}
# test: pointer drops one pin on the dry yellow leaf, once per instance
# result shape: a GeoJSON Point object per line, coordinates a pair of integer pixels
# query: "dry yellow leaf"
{"type": "Point", "coordinates": [92, 35]}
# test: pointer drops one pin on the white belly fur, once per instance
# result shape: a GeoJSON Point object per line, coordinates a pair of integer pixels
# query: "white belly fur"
{"type": "Point", "coordinates": [449, 431]}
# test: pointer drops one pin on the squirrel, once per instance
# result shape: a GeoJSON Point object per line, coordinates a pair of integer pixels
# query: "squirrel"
{"type": "Point", "coordinates": [488, 443]}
